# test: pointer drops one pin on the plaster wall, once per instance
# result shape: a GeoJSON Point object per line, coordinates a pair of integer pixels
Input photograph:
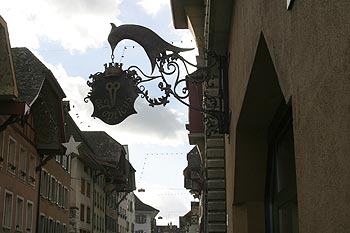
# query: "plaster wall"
{"type": "Point", "coordinates": [309, 47]}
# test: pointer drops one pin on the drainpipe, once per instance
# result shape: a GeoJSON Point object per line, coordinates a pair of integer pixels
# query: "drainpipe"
{"type": "Point", "coordinates": [93, 202]}
{"type": "Point", "coordinates": [39, 198]}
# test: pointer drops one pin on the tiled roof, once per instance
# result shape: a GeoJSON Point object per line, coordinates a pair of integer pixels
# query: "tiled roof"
{"type": "Point", "coordinates": [105, 147]}
{"type": "Point", "coordinates": [140, 206]}
{"type": "Point", "coordinates": [30, 75]}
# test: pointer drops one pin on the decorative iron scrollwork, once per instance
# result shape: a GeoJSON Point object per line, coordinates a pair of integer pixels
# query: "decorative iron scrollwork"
{"type": "Point", "coordinates": [168, 63]}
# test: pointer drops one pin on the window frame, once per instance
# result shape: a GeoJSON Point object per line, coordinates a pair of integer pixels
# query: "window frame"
{"type": "Point", "coordinates": [88, 214]}
{"type": "Point", "coordinates": [82, 185]}
{"type": "Point", "coordinates": [2, 145]}
{"type": "Point", "coordinates": [88, 189]}
{"type": "Point", "coordinates": [82, 212]}
{"type": "Point", "coordinates": [22, 214]}
{"type": "Point", "coordinates": [22, 173]}
{"type": "Point", "coordinates": [41, 225]}
{"type": "Point", "coordinates": [31, 222]}
{"type": "Point", "coordinates": [31, 177]}
{"type": "Point", "coordinates": [281, 124]}
{"type": "Point", "coordinates": [11, 167]}
{"type": "Point", "coordinates": [11, 208]}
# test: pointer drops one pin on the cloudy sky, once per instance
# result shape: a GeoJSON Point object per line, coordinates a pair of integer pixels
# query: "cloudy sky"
{"type": "Point", "coordinates": [70, 38]}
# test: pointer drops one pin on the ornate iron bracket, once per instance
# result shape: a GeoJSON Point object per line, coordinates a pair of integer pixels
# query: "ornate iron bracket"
{"type": "Point", "coordinates": [168, 63]}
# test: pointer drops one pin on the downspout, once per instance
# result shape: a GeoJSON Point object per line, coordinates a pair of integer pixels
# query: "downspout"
{"type": "Point", "coordinates": [93, 203]}
{"type": "Point", "coordinates": [39, 197]}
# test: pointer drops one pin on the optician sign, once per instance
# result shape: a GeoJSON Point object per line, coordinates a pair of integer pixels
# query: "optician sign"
{"type": "Point", "coordinates": [113, 94]}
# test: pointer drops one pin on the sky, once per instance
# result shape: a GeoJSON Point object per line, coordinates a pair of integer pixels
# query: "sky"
{"type": "Point", "coordinates": [70, 38]}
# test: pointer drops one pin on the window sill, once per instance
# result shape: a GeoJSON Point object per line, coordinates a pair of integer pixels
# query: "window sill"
{"type": "Point", "coordinates": [6, 228]}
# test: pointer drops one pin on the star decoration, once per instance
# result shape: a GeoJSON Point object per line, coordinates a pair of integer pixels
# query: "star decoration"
{"type": "Point", "coordinates": [71, 146]}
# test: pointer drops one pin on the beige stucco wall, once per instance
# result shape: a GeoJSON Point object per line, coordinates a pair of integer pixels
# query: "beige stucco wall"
{"type": "Point", "coordinates": [310, 50]}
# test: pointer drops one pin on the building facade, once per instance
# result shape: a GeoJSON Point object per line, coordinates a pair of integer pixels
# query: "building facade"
{"type": "Point", "coordinates": [18, 179]}
{"type": "Point", "coordinates": [189, 223]}
{"type": "Point", "coordinates": [282, 159]}
{"type": "Point", "coordinates": [18, 155]}
{"type": "Point", "coordinates": [145, 221]}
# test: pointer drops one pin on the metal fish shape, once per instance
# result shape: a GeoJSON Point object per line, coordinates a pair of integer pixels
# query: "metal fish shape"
{"type": "Point", "coordinates": [153, 45]}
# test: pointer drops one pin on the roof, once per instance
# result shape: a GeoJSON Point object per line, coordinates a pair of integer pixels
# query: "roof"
{"type": "Point", "coordinates": [31, 74]}
{"type": "Point", "coordinates": [105, 147]}
{"type": "Point", "coordinates": [39, 89]}
{"type": "Point", "coordinates": [140, 206]}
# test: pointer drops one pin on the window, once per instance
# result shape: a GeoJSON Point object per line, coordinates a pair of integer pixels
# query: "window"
{"type": "Point", "coordinates": [58, 159]}
{"type": "Point", "coordinates": [41, 227]}
{"type": "Point", "coordinates": [22, 163]}
{"type": "Point", "coordinates": [29, 217]}
{"type": "Point", "coordinates": [31, 169]}
{"type": "Point", "coordinates": [52, 189]}
{"type": "Point", "coordinates": [82, 211]}
{"type": "Point", "coordinates": [46, 225]}
{"type": "Point", "coordinates": [88, 189]}
{"type": "Point", "coordinates": [51, 225]}
{"type": "Point", "coordinates": [19, 213]}
{"type": "Point", "coordinates": [59, 194]}
{"type": "Point", "coordinates": [11, 156]}
{"type": "Point", "coordinates": [94, 197]}
{"type": "Point", "coordinates": [130, 206]}
{"type": "Point", "coordinates": [1, 148]}
{"type": "Point", "coordinates": [58, 227]}
{"type": "Point", "coordinates": [281, 192]}
{"type": "Point", "coordinates": [8, 203]}
{"type": "Point", "coordinates": [140, 219]}
{"type": "Point", "coordinates": [45, 184]}
{"type": "Point", "coordinates": [82, 186]}
{"type": "Point", "coordinates": [88, 215]}
{"type": "Point", "coordinates": [66, 198]}
{"type": "Point", "coordinates": [65, 162]}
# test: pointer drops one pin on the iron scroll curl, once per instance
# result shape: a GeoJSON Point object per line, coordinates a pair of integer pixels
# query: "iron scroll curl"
{"type": "Point", "coordinates": [165, 58]}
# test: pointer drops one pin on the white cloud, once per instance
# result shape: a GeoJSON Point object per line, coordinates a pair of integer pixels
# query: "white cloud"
{"type": "Point", "coordinates": [152, 7]}
{"type": "Point", "coordinates": [76, 25]}
{"type": "Point", "coordinates": [171, 203]}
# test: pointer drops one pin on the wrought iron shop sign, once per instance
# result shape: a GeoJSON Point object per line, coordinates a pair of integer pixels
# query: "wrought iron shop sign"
{"type": "Point", "coordinates": [114, 91]}
{"type": "Point", "coordinates": [113, 94]}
